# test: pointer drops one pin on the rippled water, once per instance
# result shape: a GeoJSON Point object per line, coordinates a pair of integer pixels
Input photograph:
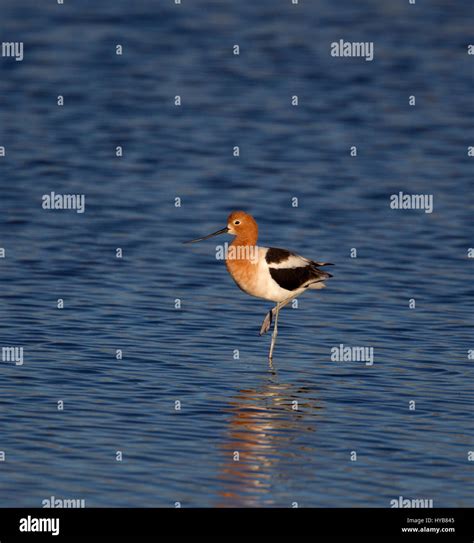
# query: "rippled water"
{"type": "Point", "coordinates": [233, 405]}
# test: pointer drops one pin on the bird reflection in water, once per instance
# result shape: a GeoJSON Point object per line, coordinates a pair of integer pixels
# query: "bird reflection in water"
{"type": "Point", "coordinates": [267, 428]}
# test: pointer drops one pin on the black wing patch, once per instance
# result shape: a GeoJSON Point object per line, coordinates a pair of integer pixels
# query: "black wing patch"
{"type": "Point", "coordinates": [295, 278]}
{"type": "Point", "coordinates": [275, 255]}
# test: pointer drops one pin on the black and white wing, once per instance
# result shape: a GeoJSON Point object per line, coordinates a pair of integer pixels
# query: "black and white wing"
{"type": "Point", "coordinates": [293, 272]}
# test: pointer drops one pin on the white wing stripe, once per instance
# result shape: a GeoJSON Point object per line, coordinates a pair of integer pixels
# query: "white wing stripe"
{"type": "Point", "coordinates": [294, 261]}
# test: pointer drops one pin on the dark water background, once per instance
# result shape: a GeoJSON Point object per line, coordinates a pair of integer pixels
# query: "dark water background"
{"type": "Point", "coordinates": [232, 405]}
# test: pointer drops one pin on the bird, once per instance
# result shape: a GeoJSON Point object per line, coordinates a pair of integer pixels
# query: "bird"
{"type": "Point", "coordinates": [270, 273]}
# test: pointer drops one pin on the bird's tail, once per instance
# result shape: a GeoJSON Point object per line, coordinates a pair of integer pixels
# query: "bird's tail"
{"type": "Point", "coordinates": [322, 263]}
{"type": "Point", "coordinates": [320, 275]}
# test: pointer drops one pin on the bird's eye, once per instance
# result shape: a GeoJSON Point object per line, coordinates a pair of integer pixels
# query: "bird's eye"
{"type": "Point", "coordinates": [236, 222]}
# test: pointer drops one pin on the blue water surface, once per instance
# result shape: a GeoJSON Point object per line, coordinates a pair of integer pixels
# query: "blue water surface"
{"type": "Point", "coordinates": [187, 333]}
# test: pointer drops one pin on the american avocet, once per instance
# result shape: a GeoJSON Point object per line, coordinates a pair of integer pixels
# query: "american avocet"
{"type": "Point", "coordinates": [267, 272]}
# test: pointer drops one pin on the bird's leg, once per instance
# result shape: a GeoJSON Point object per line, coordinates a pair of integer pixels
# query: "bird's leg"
{"type": "Point", "coordinates": [275, 332]}
{"type": "Point", "coordinates": [287, 301]}
{"type": "Point", "coordinates": [267, 322]}
{"type": "Point", "coordinates": [276, 309]}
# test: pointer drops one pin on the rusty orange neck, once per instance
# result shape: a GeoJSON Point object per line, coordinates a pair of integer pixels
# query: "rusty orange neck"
{"type": "Point", "coordinates": [245, 240]}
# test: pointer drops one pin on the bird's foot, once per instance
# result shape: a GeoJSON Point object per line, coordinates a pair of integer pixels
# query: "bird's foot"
{"type": "Point", "coordinates": [267, 323]}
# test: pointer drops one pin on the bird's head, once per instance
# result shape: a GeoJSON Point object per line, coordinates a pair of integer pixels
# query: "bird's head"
{"type": "Point", "coordinates": [239, 224]}
{"type": "Point", "coordinates": [242, 224]}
